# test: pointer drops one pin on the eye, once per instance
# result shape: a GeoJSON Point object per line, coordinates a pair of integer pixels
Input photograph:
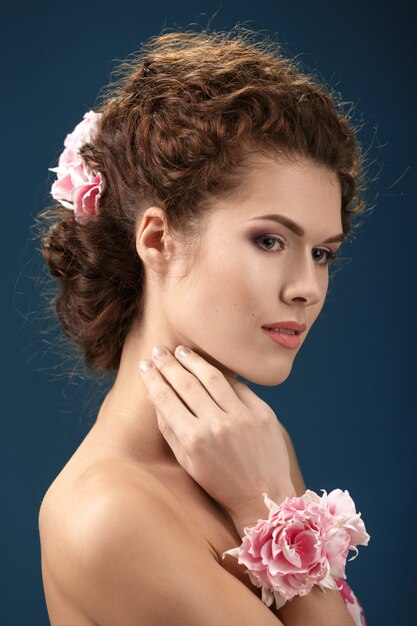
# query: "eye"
{"type": "Point", "coordinates": [322, 256]}
{"type": "Point", "coordinates": [328, 258]}
{"type": "Point", "coordinates": [268, 238]}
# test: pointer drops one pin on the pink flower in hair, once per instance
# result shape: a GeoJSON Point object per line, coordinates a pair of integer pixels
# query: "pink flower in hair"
{"type": "Point", "coordinates": [78, 187]}
{"type": "Point", "coordinates": [304, 542]}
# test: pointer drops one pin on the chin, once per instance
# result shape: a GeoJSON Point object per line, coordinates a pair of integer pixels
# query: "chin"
{"type": "Point", "coordinates": [268, 376]}
{"type": "Point", "coordinates": [258, 372]}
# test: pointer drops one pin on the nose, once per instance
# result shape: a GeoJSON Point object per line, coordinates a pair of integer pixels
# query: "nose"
{"type": "Point", "coordinates": [305, 281]}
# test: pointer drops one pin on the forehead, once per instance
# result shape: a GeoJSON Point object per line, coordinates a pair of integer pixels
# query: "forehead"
{"type": "Point", "coordinates": [308, 193]}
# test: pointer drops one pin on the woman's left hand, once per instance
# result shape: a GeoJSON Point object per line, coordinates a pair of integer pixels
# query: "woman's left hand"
{"type": "Point", "coordinates": [227, 438]}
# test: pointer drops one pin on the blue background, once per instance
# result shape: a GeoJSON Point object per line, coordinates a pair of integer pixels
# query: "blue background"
{"type": "Point", "coordinates": [350, 402]}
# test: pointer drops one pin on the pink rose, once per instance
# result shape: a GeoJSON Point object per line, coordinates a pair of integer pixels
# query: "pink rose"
{"type": "Point", "coordinates": [342, 507]}
{"type": "Point", "coordinates": [78, 187]}
{"type": "Point", "coordinates": [304, 541]}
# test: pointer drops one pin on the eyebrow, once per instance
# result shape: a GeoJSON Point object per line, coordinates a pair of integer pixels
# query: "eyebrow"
{"type": "Point", "coordinates": [295, 228]}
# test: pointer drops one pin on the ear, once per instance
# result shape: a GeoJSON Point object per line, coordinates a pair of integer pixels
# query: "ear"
{"type": "Point", "coordinates": [154, 245]}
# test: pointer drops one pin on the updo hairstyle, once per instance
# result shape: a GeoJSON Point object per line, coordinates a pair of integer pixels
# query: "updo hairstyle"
{"type": "Point", "coordinates": [177, 130]}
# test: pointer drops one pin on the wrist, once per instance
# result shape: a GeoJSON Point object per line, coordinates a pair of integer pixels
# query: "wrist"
{"type": "Point", "coordinates": [255, 509]}
{"type": "Point", "coordinates": [301, 541]}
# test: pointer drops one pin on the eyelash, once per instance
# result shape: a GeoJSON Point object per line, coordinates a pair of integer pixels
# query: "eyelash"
{"type": "Point", "coordinates": [331, 256]}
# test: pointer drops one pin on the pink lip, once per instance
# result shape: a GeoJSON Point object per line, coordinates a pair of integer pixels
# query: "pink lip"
{"type": "Point", "coordinates": [284, 339]}
{"type": "Point", "coordinates": [299, 328]}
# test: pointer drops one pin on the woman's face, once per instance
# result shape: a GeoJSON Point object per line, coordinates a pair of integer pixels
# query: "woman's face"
{"type": "Point", "coordinates": [251, 271]}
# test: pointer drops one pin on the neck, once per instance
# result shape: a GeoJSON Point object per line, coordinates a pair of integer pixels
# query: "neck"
{"type": "Point", "coordinates": [127, 419]}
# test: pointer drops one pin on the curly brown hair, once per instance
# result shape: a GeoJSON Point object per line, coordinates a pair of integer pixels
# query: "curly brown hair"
{"type": "Point", "coordinates": [178, 128]}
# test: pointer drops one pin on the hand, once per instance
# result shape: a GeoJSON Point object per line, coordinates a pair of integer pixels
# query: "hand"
{"type": "Point", "coordinates": [227, 438]}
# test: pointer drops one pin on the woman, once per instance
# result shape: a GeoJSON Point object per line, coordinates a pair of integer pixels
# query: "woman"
{"type": "Point", "coordinates": [198, 207]}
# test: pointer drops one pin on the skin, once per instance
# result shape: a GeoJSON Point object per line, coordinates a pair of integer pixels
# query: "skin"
{"type": "Point", "coordinates": [260, 283]}
{"type": "Point", "coordinates": [215, 300]}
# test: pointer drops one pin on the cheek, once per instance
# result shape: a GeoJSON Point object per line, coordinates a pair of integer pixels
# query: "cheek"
{"type": "Point", "coordinates": [218, 300]}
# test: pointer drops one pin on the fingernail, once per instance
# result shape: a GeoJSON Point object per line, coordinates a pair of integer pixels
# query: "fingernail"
{"type": "Point", "coordinates": [146, 365]}
{"type": "Point", "coordinates": [158, 351]}
{"type": "Point", "coordinates": [182, 351]}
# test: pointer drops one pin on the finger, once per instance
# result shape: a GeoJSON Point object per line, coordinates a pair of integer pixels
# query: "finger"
{"type": "Point", "coordinates": [170, 437]}
{"type": "Point", "coordinates": [221, 393]}
{"type": "Point", "coordinates": [170, 407]}
{"type": "Point", "coordinates": [245, 394]}
{"type": "Point", "coordinates": [188, 385]}
{"type": "Point", "coordinates": [211, 378]}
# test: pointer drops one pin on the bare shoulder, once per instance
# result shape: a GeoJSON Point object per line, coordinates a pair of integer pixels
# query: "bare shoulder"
{"type": "Point", "coordinates": [81, 497]}
{"type": "Point", "coordinates": [127, 558]}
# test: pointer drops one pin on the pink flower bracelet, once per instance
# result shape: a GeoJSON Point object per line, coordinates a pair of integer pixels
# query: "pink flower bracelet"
{"type": "Point", "coordinates": [304, 542]}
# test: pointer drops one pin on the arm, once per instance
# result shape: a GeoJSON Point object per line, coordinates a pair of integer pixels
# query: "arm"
{"type": "Point", "coordinates": [318, 608]}
{"type": "Point", "coordinates": [234, 453]}
{"type": "Point", "coordinates": [128, 560]}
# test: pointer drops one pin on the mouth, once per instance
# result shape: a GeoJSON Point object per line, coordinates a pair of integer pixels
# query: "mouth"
{"type": "Point", "coordinates": [286, 331]}
{"type": "Point", "coordinates": [289, 328]}
{"type": "Point", "coordinates": [286, 334]}
{"type": "Point", "coordinates": [286, 338]}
